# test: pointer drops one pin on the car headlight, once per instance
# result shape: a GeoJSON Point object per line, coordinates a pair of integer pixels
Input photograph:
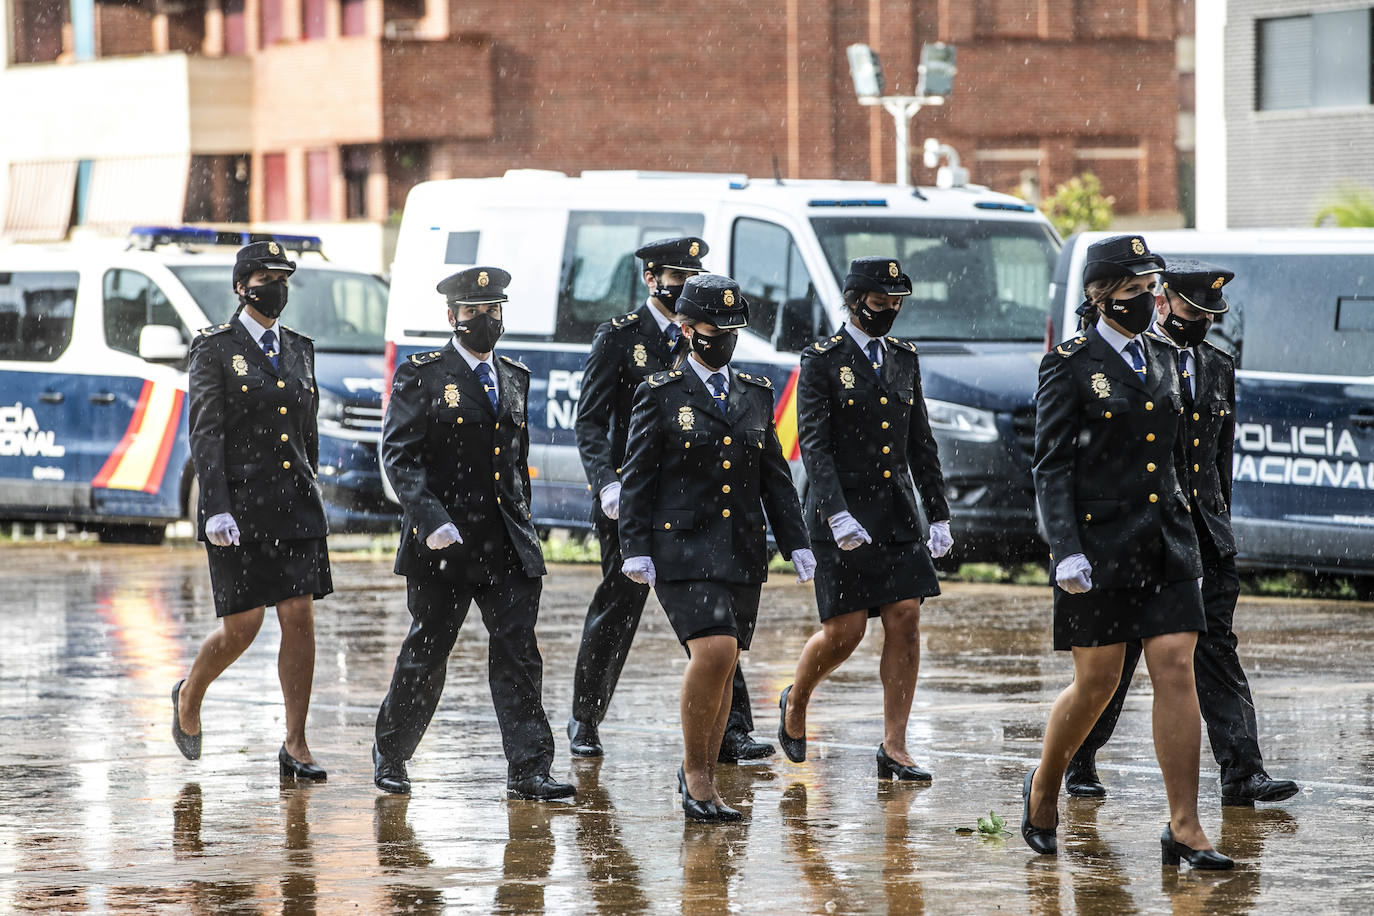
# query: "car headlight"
{"type": "Point", "coordinates": [960, 422]}
{"type": "Point", "coordinates": [331, 411]}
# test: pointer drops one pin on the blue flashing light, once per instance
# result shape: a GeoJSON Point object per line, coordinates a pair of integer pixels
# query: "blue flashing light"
{"type": "Point", "coordinates": [738, 185]}
{"type": "Point", "coordinates": [856, 202]}
{"type": "Point", "coordinates": [147, 238]}
{"type": "Point", "coordinates": [999, 205]}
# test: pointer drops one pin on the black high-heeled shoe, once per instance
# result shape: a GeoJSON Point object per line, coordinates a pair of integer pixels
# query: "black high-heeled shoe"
{"type": "Point", "coordinates": [189, 745]}
{"type": "Point", "coordinates": [1173, 850]}
{"type": "Point", "coordinates": [291, 768]}
{"type": "Point", "coordinates": [694, 809]}
{"type": "Point", "coordinates": [726, 813]}
{"type": "Point", "coordinates": [794, 748]}
{"type": "Point", "coordinates": [1044, 841]}
{"type": "Point", "coordinates": [891, 769]}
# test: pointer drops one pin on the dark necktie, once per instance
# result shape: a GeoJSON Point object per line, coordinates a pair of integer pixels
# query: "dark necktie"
{"type": "Point", "coordinates": [1132, 350]}
{"type": "Point", "coordinates": [488, 383]}
{"type": "Point", "coordinates": [717, 382]}
{"type": "Point", "coordinates": [673, 333]}
{"type": "Point", "coordinates": [269, 346]}
{"type": "Point", "coordinates": [875, 354]}
{"type": "Point", "coordinates": [1185, 380]}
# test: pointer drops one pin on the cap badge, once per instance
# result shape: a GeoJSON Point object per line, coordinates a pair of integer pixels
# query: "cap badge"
{"type": "Point", "coordinates": [272, 249]}
{"type": "Point", "coordinates": [641, 357]}
{"type": "Point", "coordinates": [728, 298]}
{"type": "Point", "coordinates": [892, 270]}
{"type": "Point", "coordinates": [240, 364]}
{"type": "Point", "coordinates": [685, 418]}
{"type": "Point", "coordinates": [1218, 283]}
{"type": "Point", "coordinates": [483, 279]}
{"type": "Point", "coordinates": [1137, 246]}
{"type": "Point", "coordinates": [1101, 387]}
{"type": "Point", "coordinates": [846, 377]}
{"type": "Point", "coordinates": [694, 250]}
{"type": "Point", "coordinates": [450, 395]}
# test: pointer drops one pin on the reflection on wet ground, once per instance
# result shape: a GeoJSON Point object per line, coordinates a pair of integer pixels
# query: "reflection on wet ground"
{"type": "Point", "coordinates": [99, 813]}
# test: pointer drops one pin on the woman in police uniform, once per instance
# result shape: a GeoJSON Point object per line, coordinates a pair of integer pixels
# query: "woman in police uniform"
{"type": "Point", "coordinates": [703, 468]}
{"type": "Point", "coordinates": [256, 449]}
{"type": "Point", "coordinates": [864, 438]}
{"type": "Point", "coordinates": [1109, 486]}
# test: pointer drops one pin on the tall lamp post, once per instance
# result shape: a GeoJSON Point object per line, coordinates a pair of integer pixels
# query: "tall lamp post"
{"type": "Point", "coordinates": [935, 81]}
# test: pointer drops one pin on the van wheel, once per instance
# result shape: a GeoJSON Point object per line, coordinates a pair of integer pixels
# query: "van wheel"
{"type": "Point", "coordinates": [132, 534]}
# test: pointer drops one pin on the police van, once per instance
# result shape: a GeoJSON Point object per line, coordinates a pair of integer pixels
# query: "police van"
{"type": "Point", "coordinates": [1301, 326]}
{"type": "Point", "coordinates": [94, 338]}
{"type": "Point", "coordinates": [980, 263]}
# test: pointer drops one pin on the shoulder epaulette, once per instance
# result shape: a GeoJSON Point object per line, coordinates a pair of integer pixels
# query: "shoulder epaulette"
{"type": "Point", "coordinates": [297, 333]}
{"type": "Point", "coordinates": [621, 321]}
{"type": "Point", "coordinates": [904, 344]}
{"type": "Point", "coordinates": [419, 359]}
{"type": "Point", "coordinates": [762, 381]}
{"type": "Point", "coordinates": [214, 329]}
{"type": "Point", "coordinates": [516, 363]}
{"type": "Point", "coordinates": [659, 379]}
{"type": "Point", "coordinates": [1072, 345]}
{"type": "Point", "coordinates": [1155, 335]}
{"type": "Point", "coordinates": [1215, 349]}
{"type": "Point", "coordinates": [822, 345]}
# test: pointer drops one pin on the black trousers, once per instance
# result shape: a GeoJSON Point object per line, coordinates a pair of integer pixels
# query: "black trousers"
{"type": "Point", "coordinates": [515, 669]}
{"type": "Point", "coordinates": [1222, 690]}
{"type": "Point", "coordinates": [612, 618]}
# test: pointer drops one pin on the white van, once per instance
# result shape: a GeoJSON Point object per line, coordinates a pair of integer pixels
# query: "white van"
{"type": "Point", "coordinates": [1301, 325]}
{"type": "Point", "coordinates": [94, 338]}
{"type": "Point", "coordinates": [980, 263]}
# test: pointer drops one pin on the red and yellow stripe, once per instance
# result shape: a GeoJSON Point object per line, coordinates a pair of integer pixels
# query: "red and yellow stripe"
{"type": "Point", "coordinates": [785, 418]}
{"type": "Point", "coordinates": [139, 462]}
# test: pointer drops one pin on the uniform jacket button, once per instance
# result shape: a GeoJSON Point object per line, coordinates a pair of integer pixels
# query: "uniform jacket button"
{"type": "Point", "coordinates": [725, 488]}
{"type": "Point", "coordinates": [1197, 417]}
{"type": "Point", "coordinates": [1150, 467]}
{"type": "Point", "coordinates": [724, 513]}
{"type": "Point", "coordinates": [1149, 437]}
{"type": "Point", "coordinates": [1154, 497]}
{"type": "Point", "coordinates": [286, 465]}
{"type": "Point", "coordinates": [887, 449]}
{"type": "Point", "coordinates": [281, 384]}
{"type": "Point", "coordinates": [1106, 414]}
{"type": "Point", "coordinates": [725, 464]}
{"type": "Point", "coordinates": [882, 400]}
{"type": "Point", "coordinates": [281, 410]}
{"type": "Point", "coordinates": [887, 473]}
{"type": "Point", "coordinates": [285, 437]}
{"type": "Point", "coordinates": [1088, 517]}
{"type": "Point", "coordinates": [886, 424]}
{"type": "Point", "coordinates": [1196, 441]}
{"type": "Point", "coordinates": [727, 440]}
{"type": "Point", "coordinates": [1149, 405]}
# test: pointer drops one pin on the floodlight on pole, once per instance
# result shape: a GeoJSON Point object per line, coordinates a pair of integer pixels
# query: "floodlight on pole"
{"type": "Point", "coordinates": [935, 73]}
{"type": "Point", "coordinates": [867, 73]}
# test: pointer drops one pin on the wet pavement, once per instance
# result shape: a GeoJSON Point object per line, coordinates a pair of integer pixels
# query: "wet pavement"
{"type": "Point", "coordinates": [99, 813]}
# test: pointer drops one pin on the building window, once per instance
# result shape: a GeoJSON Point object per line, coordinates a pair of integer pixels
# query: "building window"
{"type": "Point", "coordinates": [235, 35]}
{"type": "Point", "coordinates": [217, 190]}
{"type": "Point", "coordinates": [353, 17]}
{"type": "Point", "coordinates": [274, 186]}
{"type": "Point", "coordinates": [271, 25]}
{"type": "Point", "coordinates": [317, 185]}
{"type": "Point", "coordinates": [312, 19]}
{"type": "Point", "coordinates": [357, 167]}
{"type": "Point", "coordinates": [1315, 61]}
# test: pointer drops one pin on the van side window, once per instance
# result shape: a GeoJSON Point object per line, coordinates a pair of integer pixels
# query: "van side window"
{"type": "Point", "coordinates": [36, 309]}
{"type": "Point", "coordinates": [132, 301]}
{"type": "Point", "coordinates": [765, 261]}
{"type": "Point", "coordinates": [601, 276]}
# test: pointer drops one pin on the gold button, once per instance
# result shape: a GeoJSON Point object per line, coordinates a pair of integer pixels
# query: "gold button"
{"type": "Point", "coordinates": [1196, 441]}
{"type": "Point", "coordinates": [887, 473]}
{"type": "Point", "coordinates": [1088, 517]}
{"type": "Point", "coordinates": [496, 451]}
{"type": "Point", "coordinates": [1195, 492]}
{"type": "Point", "coordinates": [618, 470]}
{"type": "Point", "coordinates": [882, 400]}
{"type": "Point", "coordinates": [1196, 417]}
{"type": "Point", "coordinates": [1223, 413]}
{"type": "Point", "coordinates": [459, 420]}
{"type": "Point", "coordinates": [725, 464]}
{"type": "Point", "coordinates": [851, 400]}
{"type": "Point", "coordinates": [286, 465]}
{"type": "Point", "coordinates": [686, 445]}
{"type": "Point", "coordinates": [667, 525]}
{"type": "Point", "coordinates": [725, 489]}
{"type": "Point", "coordinates": [281, 384]}
{"type": "Point", "coordinates": [498, 425]}
{"type": "Point", "coordinates": [414, 530]}
{"type": "Point", "coordinates": [497, 475]}
{"type": "Point", "coordinates": [245, 388]}
{"type": "Point", "coordinates": [1149, 405]}
{"type": "Point", "coordinates": [1107, 414]}
{"type": "Point", "coordinates": [727, 440]}
{"type": "Point", "coordinates": [281, 410]}
{"type": "Point", "coordinates": [1149, 437]}
{"type": "Point", "coordinates": [724, 513]}
{"type": "Point", "coordinates": [1154, 497]}
{"type": "Point", "coordinates": [498, 500]}
{"type": "Point", "coordinates": [284, 437]}
{"type": "Point", "coordinates": [1150, 467]}
{"type": "Point", "coordinates": [886, 449]}
{"type": "Point", "coordinates": [886, 424]}
{"type": "Point", "coordinates": [1196, 469]}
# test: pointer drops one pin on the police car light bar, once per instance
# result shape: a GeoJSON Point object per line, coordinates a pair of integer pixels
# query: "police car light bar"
{"type": "Point", "coordinates": [1001, 205]}
{"type": "Point", "coordinates": [826, 202]}
{"type": "Point", "coordinates": [146, 238]}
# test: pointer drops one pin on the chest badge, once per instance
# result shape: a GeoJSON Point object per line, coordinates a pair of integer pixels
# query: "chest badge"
{"type": "Point", "coordinates": [846, 377]}
{"type": "Point", "coordinates": [450, 395]}
{"type": "Point", "coordinates": [641, 357]}
{"type": "Point", "coordinates": [1101, 387]}
{"type": "Point", "coordinates": [685, 418]}
{"type": "Point", "coordinates": [239, 364]}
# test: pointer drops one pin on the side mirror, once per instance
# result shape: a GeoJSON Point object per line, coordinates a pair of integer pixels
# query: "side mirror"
{"type": "Point", "coordinates": [796, 325]}
{"type": "Point", "coordinates": [161, 343]}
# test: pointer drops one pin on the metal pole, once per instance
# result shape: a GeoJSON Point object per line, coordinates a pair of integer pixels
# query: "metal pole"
{"type": "Point", "coordinates": [903, 109]}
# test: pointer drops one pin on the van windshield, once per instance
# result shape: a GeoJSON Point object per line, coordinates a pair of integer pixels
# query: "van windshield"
{"type": "Point", "coordinates": [345, 312]}
{"type": "Point", "coordinates": [972, 280]}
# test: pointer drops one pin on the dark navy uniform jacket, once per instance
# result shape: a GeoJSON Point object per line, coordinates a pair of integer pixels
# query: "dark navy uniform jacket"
{"type": "Point", "coordinates": [1209, 441]}
{"type": "Point", "coordinates": [1108, 463]}
{"type": "Point", "coordinates": [254, 441]}
{"type": "Point", "coordinates": [697, 484]}
{"type": "Point", "coordinates": [625, 350]}
{"type": "Point", "coordinates": [864, 436]}
{"type": "Point", "coordinates": [451, 458]}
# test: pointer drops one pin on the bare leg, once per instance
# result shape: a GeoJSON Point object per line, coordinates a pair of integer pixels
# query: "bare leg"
{"type": "Point", "coordinates": [898, 668]}
{"type": "Point", "coordinates": [296, 669]}
{"type": "Point", "coordinates": [220, 650]}
{"type": "Point", "coordinates": [704, 683]}
{"type": "Point", "coordinates": [722, 722]}
{"type": "Point", "coordinates": [1177, 730]}
{"type": "Point", "coordinates": [1096, 672]}
{"type": "Point", "coordinates": [836, 640]}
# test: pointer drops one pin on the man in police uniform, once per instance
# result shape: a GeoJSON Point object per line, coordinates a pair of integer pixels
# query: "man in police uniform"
{"type": "Point", "coordinates": [625, 350]}
{"type": "Point", "coordinates": [1190, 298]}
{"type": "Point", "coordinates": [455, 446]}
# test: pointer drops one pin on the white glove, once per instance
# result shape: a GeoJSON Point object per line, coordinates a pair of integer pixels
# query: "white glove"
{"type": "Point", "coordinates": [640, 569]}
{"type": "Point", "coordinates": [221, 530]}
{"type": "Point", "coordinates": [445, 535]}
{"type": "Point", "coordinates": [804, 562]}
{"type": "Point", "coordinates": [847, 531]}
{"type": "Point", "coordinates": [610, 500]}
{"type": "Point", "coordinates": [940, 539]}
{"type": "Point", "coordinates": [1074, 574]}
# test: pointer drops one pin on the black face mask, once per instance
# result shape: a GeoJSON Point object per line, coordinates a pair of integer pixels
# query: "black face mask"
{"type": "Point", "coordinates": [268, 300]}
{"type": "Point", "coordinates": [479, 334]}
{"type": "Point", "coordinates": [1186, 332]}
{"type": "Point", "coordinates": [874, 323]}
{"type": "Point", "coordinates": [714, 352]}
{"type": "Point", "coordinates": [668, 294]}
{"type": "Point", "coordinates": [1133, 314]}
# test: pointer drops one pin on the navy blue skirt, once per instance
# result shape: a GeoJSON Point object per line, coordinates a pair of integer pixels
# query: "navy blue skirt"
{"type": "Point", "coordinates": [258, 573]}
{"type": "Point", "coordinates": [870, 576]}
{"type": "Point", "coordinates": [1107, 616]}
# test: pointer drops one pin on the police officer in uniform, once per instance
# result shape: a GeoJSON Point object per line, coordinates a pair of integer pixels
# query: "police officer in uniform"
{"type": "Point", "coordinates": [625, 350]}
{"type": "Point", "coordinates": [455, 446]}
{"type": "Point", "coordinates": [256, 452]}
{"type": "Point", "coordinates": [1191, 296]}
{"type": "Point", "coordinates": [703, 469]}
{"type": "Point", "coordinates": [1110, 486]}
{"type": "Point", "coordinates": [865, 437]}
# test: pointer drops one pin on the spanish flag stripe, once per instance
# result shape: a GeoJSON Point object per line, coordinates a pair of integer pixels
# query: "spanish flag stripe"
{"type": "Point", "coordinates": [107, 471]}
{"type": "Point", "coordinates": [169, 435]}
{"type": "Point", "coordinates": [785, 419]}
{"type": "Point", "coordinates": [140, 460]}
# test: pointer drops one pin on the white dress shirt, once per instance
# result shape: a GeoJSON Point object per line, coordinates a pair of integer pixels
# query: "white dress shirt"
{"type": "Point", "coordinates": [473, 362]}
